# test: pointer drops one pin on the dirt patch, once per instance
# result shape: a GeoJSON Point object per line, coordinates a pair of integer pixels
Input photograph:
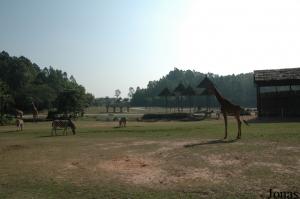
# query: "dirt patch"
{"type": "Point", "coordinates": [138, 143]}
{"type": "Point", "coordinates": [191, 174]}
{"type": "Point", "coordinates": [13, 147]}
{"type": "Point", "coordinates": [289, 148]}
{"type": "Point", "coordinates": [276, 167]}
{"type": "Point", "coordinates": [149, 172]}
{"type": "Point", "coordinates": [132, 169]}
{"type": "Point", "coordinates": [222, 160]}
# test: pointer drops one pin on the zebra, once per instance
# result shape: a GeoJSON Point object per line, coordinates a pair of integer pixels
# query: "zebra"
{"type": "Point", "coordinates": [19, 124]}
{"type": "Point", "coordinates": [63, 124]}
{"type": "Point", "coordinates": [122, 121]}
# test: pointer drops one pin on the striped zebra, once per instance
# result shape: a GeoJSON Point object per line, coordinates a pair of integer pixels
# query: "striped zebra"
{"type": "Point", "coordinates": [64, 125]}
{"type": "Point", "coordinates": [19, 124]}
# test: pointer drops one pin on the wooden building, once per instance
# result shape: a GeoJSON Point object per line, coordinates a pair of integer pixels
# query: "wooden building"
{"type": "Point", "coordinates": [278, 92]}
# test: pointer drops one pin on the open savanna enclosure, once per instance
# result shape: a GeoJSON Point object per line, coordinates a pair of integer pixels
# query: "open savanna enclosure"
{"type": "Point", "coordinates": [149, 160]}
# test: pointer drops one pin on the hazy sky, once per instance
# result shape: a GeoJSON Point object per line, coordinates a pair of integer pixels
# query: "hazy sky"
{"type": "Point", "coordinates": [112, 44]}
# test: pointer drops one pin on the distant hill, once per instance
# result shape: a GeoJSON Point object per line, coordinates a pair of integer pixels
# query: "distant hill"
{"type": "Point", "coordinates": [240, 89]}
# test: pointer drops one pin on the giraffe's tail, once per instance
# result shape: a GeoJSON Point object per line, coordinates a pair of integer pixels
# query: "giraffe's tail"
{"type": "Point", "coordinates": [245, 121]}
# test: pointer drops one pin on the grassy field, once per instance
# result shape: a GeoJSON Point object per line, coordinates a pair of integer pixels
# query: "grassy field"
{"type": "Point", "coordinates": [149, 160]}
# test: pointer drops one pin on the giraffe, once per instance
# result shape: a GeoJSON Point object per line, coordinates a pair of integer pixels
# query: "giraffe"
{"type": "Point", "coordinates": [35, 113]}
{"type": "Point", "coordinates": [226, 106]}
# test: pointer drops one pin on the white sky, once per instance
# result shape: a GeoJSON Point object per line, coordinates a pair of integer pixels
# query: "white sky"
{"type": "Point", "coordinates": [235, 36]}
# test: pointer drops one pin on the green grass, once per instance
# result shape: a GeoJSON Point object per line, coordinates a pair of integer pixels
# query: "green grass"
{"type": "Point", "coordinates": [149, 160]}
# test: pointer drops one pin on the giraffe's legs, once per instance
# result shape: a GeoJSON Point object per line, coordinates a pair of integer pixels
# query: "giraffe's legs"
{"type": "Point", "coordinates": [225, 121]}
{"type": "Point", "coordinates": [239, 126]}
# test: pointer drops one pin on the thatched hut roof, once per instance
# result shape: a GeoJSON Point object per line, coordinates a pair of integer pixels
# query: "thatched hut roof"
{"type": "Point", "coordinates": [189, 91]}
{"type": "Point", "coordinates": [165, 92]}
{"type": "Point", "coordinates": [179, 89]}
{"type": "Point", "coordinates": [205, 83]}
{"type": "Point", "coordinates": [278, 77]}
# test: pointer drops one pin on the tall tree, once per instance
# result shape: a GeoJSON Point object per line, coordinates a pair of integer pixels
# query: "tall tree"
{"type": "Point", "coordinates": [179, 93]}
{"type": "Point", "coordinates": [117, 93]}
{"type": "Point", "coordinates": [190, 92]}
{"type": "Point", "coordinates": [107, 103]}
{"type": "Point", "coordinates": [70, 102]}
{"type": "Point", "coordinates": [5, 98]}
{"type": "Point", "coordinates": [26, 81]}
{"type": "Point", "coordinates": [239, 88]}
{"type": "Point", "coordinates": [131, 92]}
{"type": "Point", "coordinates": [165, 93]}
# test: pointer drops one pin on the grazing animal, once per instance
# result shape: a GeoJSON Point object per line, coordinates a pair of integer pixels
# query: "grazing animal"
{"type": "Point", "coordinates": [19, 124]}
{"type": "Point", "coordinates": [122, 122]}
{"type": "Point", "coordinates": [19, 113]}
{"type": "Point", "coordinates": [226, 106]}
{"type": "Point", "coordinates": [35, 113]}
{"type": "Point", "coordinates": [64, 125]}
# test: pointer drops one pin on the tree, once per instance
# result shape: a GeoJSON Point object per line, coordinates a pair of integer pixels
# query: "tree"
{"type": "Point", "coordinates": [26, 81]}
{"type": "Point", "coordinates": [179, 92]}
{"type": "Point", "coordinates": [5, 98]}
{"type": "Point", "coordinates": [126, 103]}
{"type": "Point", "coordinates": [89, 99]}
{"type": "Point", "coordinates": [238, 88]}
{"type": "Point", "coordinates": [117, 93]}
{"type": "Point", "coordinates": [70, 102]}
{"type": "Point", "coordinates": [190, 92]}
{"type": "Point", "coordinates": [165, 93]}
{"type": "Point", "coordinates": [117, 100]}
{"type": "Point", "coordinates": [131, 92]}
{"type": "Point", "coordinates": [120, 104]}
{"type": "Point", "coordinates": [107, 103]}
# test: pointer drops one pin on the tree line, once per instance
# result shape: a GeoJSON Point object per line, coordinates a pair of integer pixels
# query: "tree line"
{"type": "Point", "coordinates": [239, 89]}
{"type": "Point", "coordinates": [23, 82]}
{"type": "Point", "coordinates": [111, 104]}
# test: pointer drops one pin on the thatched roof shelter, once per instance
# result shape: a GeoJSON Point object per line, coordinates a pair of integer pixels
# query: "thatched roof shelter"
{"type": "Point", "coordinates": [179, 90]}
{"type": "Point", "coordinates": [165, 92]}
{"type": "Point", "coordinates": [206, 92]}
{"type": "Point", "coordinates": [205, 83]}
{"type": "Point", "coordinates": [189, 91]}
{"type": "Point", "coordinates": [285, 102]}
{"type": "Point", "coordinates": [278, 77]}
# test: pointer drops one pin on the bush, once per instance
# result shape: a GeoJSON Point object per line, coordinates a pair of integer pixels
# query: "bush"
{"type": "Point", "coordinates": [7, 120]}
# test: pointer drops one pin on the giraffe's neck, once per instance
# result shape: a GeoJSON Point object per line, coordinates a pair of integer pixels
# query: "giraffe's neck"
{"type": "Point", "coordinates": [34, 107]}
{"type": "Point", "coordinates": [218, 95]}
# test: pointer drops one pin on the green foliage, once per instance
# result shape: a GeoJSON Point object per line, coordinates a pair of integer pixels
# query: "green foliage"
{"type": "Point", "coordinates": [5, 100]}
{"type": "Point", "coordinates": [70, 102]}
{"type": "Point", "coordinates": [239, 89]}
{"type": "Point", "coordinates": [27, 82]}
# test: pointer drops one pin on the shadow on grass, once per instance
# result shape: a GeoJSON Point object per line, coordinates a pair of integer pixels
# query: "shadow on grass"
{"type": "Point", "coordinates": [58, 135]}
{"type": "Point", "coordinates": [273, 120]}
{"type": "Point", "coordinates": [211, 142]}
{"type": "Point", "coordinates": [11, 131]}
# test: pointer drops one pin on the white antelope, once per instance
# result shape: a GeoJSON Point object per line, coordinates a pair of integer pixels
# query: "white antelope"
{"type": "Point", "coordinates": [64, 125]}
{"type": "Point", "coordinates": [122, 122]}
{"type": "Point", "coordinates": [19, 124]}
